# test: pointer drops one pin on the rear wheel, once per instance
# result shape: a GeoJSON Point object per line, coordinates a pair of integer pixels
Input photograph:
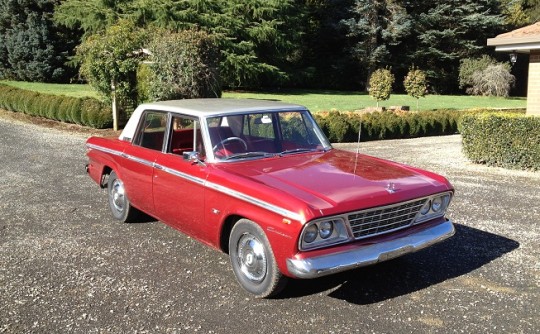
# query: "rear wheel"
{"type": "Point", "coordinates": [253, 261]}
{"type": "Point", "coordinates": [118, 201]}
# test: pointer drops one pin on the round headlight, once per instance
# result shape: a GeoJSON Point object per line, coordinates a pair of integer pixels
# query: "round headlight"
{"type": "Point", "coordinates": [311, 233]}
{"type": "Point", "coordinates": [425, 208]}
{"type": "Point", "coordinates": [326, 229]}
{"type": "Point", "coordinates": [437, 204]}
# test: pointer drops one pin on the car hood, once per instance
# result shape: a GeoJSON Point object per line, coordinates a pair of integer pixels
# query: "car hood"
{"type": "Point", "coordinates": [339, 181]}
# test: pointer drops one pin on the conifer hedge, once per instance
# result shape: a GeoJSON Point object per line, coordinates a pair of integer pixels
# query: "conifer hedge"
{"type": "Point", "coordinates": [83, 111]}
{"type": "Point", "coordinates": [344, 126]}
{"type": "Point", "coordinates": [510, 140]}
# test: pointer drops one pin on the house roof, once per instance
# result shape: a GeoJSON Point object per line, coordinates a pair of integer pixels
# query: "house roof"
{"type": "Point", "coordinates": [521, 40]}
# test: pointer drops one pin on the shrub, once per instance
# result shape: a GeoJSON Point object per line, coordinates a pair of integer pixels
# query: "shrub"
{"type": "Point", "coordinates": [495, 80]}
{"type": "Point", "coordinates": [184, 65]}
{"type": "Point", "coordinates": [469, 66]}
{"type": "Point", "coordinates": [507, 140]}
{"type": "Point", "coordinates": [95, 115]}
{"type": "Point", "coordinates": [485, 76]}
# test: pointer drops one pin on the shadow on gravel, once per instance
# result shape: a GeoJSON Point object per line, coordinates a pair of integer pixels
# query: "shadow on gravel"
{"type": "Point", "coordinates": [466, 251]}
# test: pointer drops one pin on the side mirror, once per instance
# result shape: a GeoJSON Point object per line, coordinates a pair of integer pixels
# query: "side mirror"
{"type": "Point", "coordinates": [193, 156]}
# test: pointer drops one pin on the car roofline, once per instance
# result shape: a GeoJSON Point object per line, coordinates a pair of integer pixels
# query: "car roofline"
{"type": "Point", "coordinates": [222, 106]}
{"type": "Point", "coordinates": [208, 107]}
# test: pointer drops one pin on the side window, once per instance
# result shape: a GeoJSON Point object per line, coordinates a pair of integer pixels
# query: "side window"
{"type": "Point", "coordinates": [152, 130]}
{"type": "Point", "coordinates": [185, 136]}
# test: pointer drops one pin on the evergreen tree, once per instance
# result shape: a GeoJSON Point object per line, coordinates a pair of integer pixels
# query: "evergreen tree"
{"type": "Point", "coordinates": [325, 60]}
{"type": "Point", "coordinates": [31, 48]}
{"type": "Point", "coordinates": [375, 26]}
{"type": "Point", "coordinates": [532, 10]}
{"type": "Point", "coordinates": [449, 31]}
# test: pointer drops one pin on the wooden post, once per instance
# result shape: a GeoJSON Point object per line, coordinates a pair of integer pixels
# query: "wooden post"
{"type": "Point", "coordinates": [114, 110]}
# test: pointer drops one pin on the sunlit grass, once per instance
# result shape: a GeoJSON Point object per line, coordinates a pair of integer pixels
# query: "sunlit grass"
{"type": "Point", "coordinates": [315, 100]}
{"type": "Point", "coordinates": [75, 90]}
{"type": "Point", "coordinates": [348, 101]}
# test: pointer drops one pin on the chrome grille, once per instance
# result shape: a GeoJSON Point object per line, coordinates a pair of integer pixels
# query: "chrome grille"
{"type": "Point", "coordinates": [377, 221]}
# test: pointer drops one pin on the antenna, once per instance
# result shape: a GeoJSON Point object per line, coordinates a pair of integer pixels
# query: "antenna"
{"type": "Point", "coordinates": [358, 146]}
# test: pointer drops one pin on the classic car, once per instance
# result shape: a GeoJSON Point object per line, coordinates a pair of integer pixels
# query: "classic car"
{"type": "Point", "coordinates": [260, 181]}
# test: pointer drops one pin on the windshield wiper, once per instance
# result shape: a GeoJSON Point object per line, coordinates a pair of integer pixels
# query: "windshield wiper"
{"type": "Point", "coordinates": [298, 150]}
{"type": "Point", "coordinates": [249, 155]}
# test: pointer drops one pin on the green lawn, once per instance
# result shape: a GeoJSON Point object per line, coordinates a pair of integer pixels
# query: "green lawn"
{"type": "Point", "coordinates": [347, 101]}
{"type": "Point", "coordinates": [75, 90]}
{"type": "Point", "coordinates": [316, 100]}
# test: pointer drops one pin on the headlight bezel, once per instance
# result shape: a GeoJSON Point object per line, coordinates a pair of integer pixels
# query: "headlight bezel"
{"type": "Point", "coordinates": [438, 204]}
{"type": "Point", "coordinates": [338, 235]}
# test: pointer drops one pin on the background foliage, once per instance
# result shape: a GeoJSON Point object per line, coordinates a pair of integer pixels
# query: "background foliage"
{"type": "Point", "coordinates": [274, 43]}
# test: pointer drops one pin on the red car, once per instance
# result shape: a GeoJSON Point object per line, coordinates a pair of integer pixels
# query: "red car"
{"type": "Point", "coordinates": [260, 181]}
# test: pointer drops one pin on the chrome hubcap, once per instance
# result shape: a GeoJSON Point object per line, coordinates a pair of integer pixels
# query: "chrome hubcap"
{"type": "Point", "coordinates": [118, 195]}
{"type": "Point", "coordinates": [252, 258]}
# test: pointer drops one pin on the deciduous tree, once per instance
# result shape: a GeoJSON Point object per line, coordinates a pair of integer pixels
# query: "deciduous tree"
{"type": "Point", "coordinates": [380, 84]}
{"type": "Point", "coordinates": [415, 84]}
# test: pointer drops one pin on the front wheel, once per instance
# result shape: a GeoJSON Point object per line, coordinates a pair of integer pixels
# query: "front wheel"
{"type": "Point", "coordinates": [253, 261]}
{"type": "Point", "coordinates": [118, 201]}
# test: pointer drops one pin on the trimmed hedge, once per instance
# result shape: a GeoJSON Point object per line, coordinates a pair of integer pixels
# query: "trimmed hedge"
{"type": "Point", "coordinates": [82, 111]}
{"type": "Point", "coordinates": [344, 126]}
{"type": "Point", "coordinates": [507, 140]}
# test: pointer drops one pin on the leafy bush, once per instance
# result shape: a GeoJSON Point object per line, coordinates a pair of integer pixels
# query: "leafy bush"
{"type": "Point", "coordinates": [111, 57]}
{"type": "Point", "coordinates": [380, 84]}
{"type": "Point", "coordinates": [184, 65]}
{"type": "Point", "coordinates": [507, 140]}
{"type": "Point", "coordinates": [485, 76]}
{"type": "Point", "coordinates": [83, 111]}
{"type": "Point", "coordinates": [495, 80]}
{"type": "Point", "coordinates": [469, 66]}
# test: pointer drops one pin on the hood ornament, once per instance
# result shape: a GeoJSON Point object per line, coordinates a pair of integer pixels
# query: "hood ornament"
{"type": "Point", "coordinates": [391, 187]}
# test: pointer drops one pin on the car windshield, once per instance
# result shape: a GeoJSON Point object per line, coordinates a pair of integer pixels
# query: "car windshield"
{"type": "Point", "coordinates": [264, 134]}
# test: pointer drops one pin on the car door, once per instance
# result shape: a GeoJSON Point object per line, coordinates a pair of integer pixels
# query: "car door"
{"type": "Point", "coordinates": [140, 156]}
{"type": "Point", "coordinates": [179, 184]}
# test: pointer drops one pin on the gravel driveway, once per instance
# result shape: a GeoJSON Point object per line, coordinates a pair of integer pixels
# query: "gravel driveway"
{"type": "Point", "coordinates": [67, 267]}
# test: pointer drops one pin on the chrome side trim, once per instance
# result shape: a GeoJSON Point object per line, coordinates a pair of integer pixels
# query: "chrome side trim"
{"type": "Point", "coordinates": [180, 174]}
{"type": "Point", "coordinates": [365, 255]}
{"type": "Point", "coordinates": [103, 149]}
{"type": "Point", "coordinates": [256, 201]}
{"type": "Point", "coordinates": [210, 185]}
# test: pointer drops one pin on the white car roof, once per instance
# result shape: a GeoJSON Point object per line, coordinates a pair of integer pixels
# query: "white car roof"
{"type": "Point", "coordinates": [206, 108]}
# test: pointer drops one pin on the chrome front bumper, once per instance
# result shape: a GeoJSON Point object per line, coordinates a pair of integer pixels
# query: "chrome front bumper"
{"type": "Point", "coordinates": [369, 254]}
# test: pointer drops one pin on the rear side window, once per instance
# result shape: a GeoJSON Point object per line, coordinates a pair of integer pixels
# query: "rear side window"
{"type": "Point", "coordinates": [185, 136]}
{"type": "Point", "coordinates": [151, 131]}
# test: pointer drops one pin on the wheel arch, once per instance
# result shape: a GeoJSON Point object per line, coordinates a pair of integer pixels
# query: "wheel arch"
{"type": "Point", "coordinates": [226, 229]}
{"type": "Point", "coordinates": [105, 172]}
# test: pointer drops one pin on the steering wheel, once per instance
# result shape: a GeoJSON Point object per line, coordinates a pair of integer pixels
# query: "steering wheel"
{"type": "Point", "coordinates": [226, 140]}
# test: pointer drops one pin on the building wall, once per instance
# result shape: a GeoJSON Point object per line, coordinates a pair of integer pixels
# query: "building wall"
{"type": "Point", "coordinates": [533, 91]}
